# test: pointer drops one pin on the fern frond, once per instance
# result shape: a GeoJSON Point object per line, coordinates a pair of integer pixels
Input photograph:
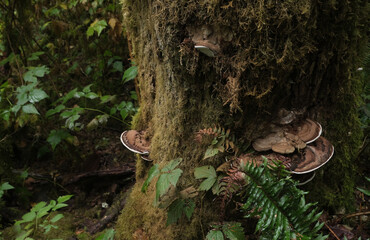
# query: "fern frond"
{"type": "Point", "coordinates": [279, 204]}
{"type": "Point", "coordinates": [231, 183]}
{"type": "Point", "coordinates": [223, 136]}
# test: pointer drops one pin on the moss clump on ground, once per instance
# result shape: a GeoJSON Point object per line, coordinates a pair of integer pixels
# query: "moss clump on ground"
{"type": "Point", "coordinates": [287, 54]}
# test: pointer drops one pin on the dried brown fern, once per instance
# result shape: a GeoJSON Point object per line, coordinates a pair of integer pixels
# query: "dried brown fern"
{"type": "Point", "coordinates": [221, 138]}
{"type": "Point", "coordinates": [231, 184]}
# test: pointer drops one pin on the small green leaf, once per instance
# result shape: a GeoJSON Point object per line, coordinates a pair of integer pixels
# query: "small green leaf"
{"type": "Point", "coordinates": [35, 56]}
{"type": "Point", "coordinates": [215, 235]}
{"type": "Point", "coordinates": [6, 186]}
{"type": "Point", "coordinates": [129, 74]}
{"type": "Point", "coordinates": [15, 108]}
{"type": "Point", "coordinates": [117, 66]}
{"type": "Point", "coordinates": [175, 211]}
{"type": "Point", "coordinates": [87, 89]}
{"type": "Point", "coordinates": [364, 191]}
{"type": "Point", "coordinates": [70, 122]}
{"type": "Point", "coordinates": [133, 95]}
{"type": "Point", "coordinates": [210, 152]}
{"type": "Point", "coordinates": [58, 206]}
{"type": "Point", "coordinates": [24, 235]}
{"type": "Point", "coordinates": [29, 77]}
{"type": "Point", "coordinates": [8, 59]}
{"type": "Point", "coordinates": [56, 218]}
{"type": "Point", "coordinates": [40, 71]}
{"type": "Point", "coordinates": [69, 95]}
{"type": "Point", "coordinates": [189, 208]}
{"type": "Point", "coordinates": [162, 186]}
{"type": "Point", "coordinates": [207, 172]}
{"type": "Point", "coordinates": [174, 176]}
{"type": "Point", "coordinates": [37, 95]}
{"type": "Point", "coordinates": [38, 206]}
{"type": "Point", "coordinates": [30, 108]}
{"type": "Point", "coordinates": [96, 26]}
{"type": "Point", "coordinates": [5, 115]}
{"type": "Point", "coordinates": [28, 217]}
{"type": "Point", "coordinates": [123, 114]}
{"type": "Point", "coordinates": [108, 235]}
{"type": "Point", "coordinates": [64, 198]}
{"type": "Point", "coordinates": [233, 231]}
{"type": "Point", "coordinates": [153, 172]}
{"type": "Point", "coordinates": [22, 96]}
{"type": "Point", "coordinates": [56, 136]}
{"type": "Point", "coordinates": [207, 184]}
{"type": "Point", "coordinates": [90, 32]}
{"type": "Point", "coordinates": [43, 211]}
{"type": "Point", "coordinates": [91, 95]}
{"type": "Point", "coordinates": [57, 109]}
{"type": "Point", "coordinates": [106, 98]}
{"type": "Point", "coordinates": [171, 165]}
{"type": "Point", "coordinates": [99, 26]}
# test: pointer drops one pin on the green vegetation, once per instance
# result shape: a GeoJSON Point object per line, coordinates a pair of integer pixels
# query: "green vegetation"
{"type": "Point", "coordinates": [40, 217]}
{"type": "Point", "coordinates": [72, 75]}
{"type": "Point", "coordinates": [65, 74]}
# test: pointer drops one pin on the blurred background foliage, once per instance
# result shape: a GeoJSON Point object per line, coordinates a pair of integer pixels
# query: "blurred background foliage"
{"type": "Point", "coordinates": [66, 87]}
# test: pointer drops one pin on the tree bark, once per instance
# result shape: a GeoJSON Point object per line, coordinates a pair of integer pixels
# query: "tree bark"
{"type": "Point", "coordinates": [298, 55]}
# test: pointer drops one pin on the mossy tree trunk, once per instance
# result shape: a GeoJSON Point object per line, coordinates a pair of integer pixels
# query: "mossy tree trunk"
{"type": "Point", "coordinates": [278, 54]}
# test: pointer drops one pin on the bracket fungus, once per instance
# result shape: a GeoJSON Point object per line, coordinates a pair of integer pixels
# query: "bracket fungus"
{"type": "Point", "coordinates": [313, 150]}
{"type": "Point", "coordinates": [207, 39]}
{"type": "Point", "coordinates": [313, 157]}
{"type": "Point", "coordinates": [285, 139]}
{"type": "Point", "coordinates": [309, 159]}
{"type": "Point", "coordinates": [135, 142]}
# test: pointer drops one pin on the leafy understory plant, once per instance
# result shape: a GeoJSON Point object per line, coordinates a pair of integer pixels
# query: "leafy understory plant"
{"type": "Point", "coordinates": [165, 197]}
{"type": "Point", "coordinates": [211, 179]}
{"type": "Point", "coordinates": [107, 235]}
{"type": "Point", "coordinates": [4, 187]}
{"type": "Point", "coordinates": [226, 230]}
{"type": "Point", "coordinates": [71, 115]}
{"type": "Point", "coordinates": [168, 176]}
{"type": "Point", "coordinates": [365, 191]}
{"type": "Point", "coordinates": [26, 95]}
{"type": "Point", "coordinates": [40, 217]}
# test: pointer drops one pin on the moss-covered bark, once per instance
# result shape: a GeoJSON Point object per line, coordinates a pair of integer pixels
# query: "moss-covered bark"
{"type": "Point", "coordinates": [292, 54]}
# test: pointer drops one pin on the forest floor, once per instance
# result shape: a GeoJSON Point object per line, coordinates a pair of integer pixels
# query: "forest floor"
{"type": "Point", "coordinates": [99, 186]}
{"type": "Point", "coordinates": [102, 179]}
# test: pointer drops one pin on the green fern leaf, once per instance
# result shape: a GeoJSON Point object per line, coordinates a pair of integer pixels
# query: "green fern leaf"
{"type": "Point", "coordinates": [280, 206]}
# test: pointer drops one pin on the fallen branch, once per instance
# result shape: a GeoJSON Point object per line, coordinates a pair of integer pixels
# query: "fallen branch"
{"type": "Point", "coordinates": [127, 170]}
{"type": "Point", "coordinates": [332, 232]}
{"type": "Point", "coordinates": [112, 213]}
{"type": "Point", "coordinates": [356, 214]}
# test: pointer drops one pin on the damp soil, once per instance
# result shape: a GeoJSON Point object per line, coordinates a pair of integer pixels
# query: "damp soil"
{"type": "Point", "coordinates": [98, 171]}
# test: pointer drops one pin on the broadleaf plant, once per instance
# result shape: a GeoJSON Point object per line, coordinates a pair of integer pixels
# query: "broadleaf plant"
{"type": "Point", "coordinates": [40, 216]}
{"type": "Point", "coordinates": [209, 173]}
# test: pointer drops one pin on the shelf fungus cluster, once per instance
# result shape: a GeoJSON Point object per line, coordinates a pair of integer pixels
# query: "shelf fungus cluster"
{"type": "Point", "coordinates": [298, 145]}
{"type": "Point", "coordinates": [136, 142]}
{"type": "Point", "coordinates": [207, 39]}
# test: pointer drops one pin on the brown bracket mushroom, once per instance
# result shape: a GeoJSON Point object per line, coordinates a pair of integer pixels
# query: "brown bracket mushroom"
{"type": "Point", "coordinates": [135, 141]}
{"type": "Point", "coordinates": [314, 156]}
{"type": "Point", "coordinates": [207, 39]}
{"type": "Point", "coordinates": [307, 130]}
{"type": "Point", "coordinates": [286, 139]}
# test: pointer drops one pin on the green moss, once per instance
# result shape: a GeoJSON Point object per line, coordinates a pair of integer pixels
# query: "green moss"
{"type": "Point", "coordinates": [291, 54]}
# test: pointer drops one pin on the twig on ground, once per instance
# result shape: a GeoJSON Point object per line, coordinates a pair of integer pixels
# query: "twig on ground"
{"type": "Point", "coordinates": [332, 232]}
